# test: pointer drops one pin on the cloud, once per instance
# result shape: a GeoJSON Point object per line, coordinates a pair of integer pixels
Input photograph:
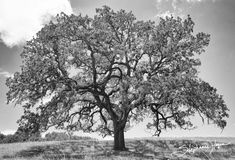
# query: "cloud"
{"type": "Point", "coordinates": [20, 20]}
{"type": "Point", "coordinates": [169, 14]}
{"type": "Point", "coordinates": [175, 7]}
{"type": "Point", "coordinates": [165, 14]}
{"type": "Point", "coordinates": [188, 1]}
{"type": "Point", "coordinates": [5, 73]}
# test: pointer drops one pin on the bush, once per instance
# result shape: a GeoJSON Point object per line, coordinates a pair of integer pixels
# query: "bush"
{"type": "Point", "coordinates": [11, 138]}
{"type": "Point", "coordinates": [61, 136]}
{"type": "Point", "coordinates": [2, 136]}
{"type": "Point", "coordinates": [20, 136]}
{"type": "Point", "coordinates": [26, 134]}
{"type": "Point", "coordinates": [35, 137]}
{"type": "Point", "coordinates": [82, 138]}
{"type": "Point", "coordinates": [56, 136]}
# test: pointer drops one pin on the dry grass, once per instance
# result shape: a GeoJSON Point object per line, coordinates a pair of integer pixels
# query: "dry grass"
{"type": "Point", "coordinates": [14, 148]}
{"type": "Point", "coordinates": [160, 149]}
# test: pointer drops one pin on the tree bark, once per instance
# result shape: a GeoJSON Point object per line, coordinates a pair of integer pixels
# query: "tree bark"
{"type": "Point", "coordinates": [119, 141]}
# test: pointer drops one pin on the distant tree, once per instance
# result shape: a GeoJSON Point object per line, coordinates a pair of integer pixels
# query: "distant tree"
{"type": "Point", "coordinates": [8, 138]}
{"type": "Point", "coordinates": [11, 138]}
{"type": "Point", "coordinates": [29, 127]}
{"type": "Point", "coordinates": [102, 74]}
{"type": "Point", "coordinates": [2, 136]}
{"type": "Point", "coordinates": [21, 135]}
{"type": "Point", "coordinates": [24, 134]}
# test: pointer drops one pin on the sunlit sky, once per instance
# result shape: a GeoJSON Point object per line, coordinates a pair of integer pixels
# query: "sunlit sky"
{"type": "Point", "coordinates": [21, 19]}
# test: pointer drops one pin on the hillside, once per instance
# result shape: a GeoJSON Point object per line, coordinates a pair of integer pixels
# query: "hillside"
{"type": "Point", "coordinates": [147, 148]}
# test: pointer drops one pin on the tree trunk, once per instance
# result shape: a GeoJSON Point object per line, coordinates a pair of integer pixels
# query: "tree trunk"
{"type": "Point", "coordinates": [119, 141]}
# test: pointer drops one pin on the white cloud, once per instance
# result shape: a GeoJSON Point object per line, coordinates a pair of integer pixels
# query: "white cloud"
{"type": "Point", "coordinates": [5, 73]}
{"type": "Point", "coordinates": [189, 1]}
{"type": "Point", "coordinates": [20, 20]}
{"type": "Point", "coordinates": [169, 14]}
{"type": "Point", "coordinates": [175, 7]}
{"type": "Point", "coordinates": [198, 0]}
{"type": "Point", "coordinates": [165, 14]}
{"type": "Point", "coordinates": [175, 3]}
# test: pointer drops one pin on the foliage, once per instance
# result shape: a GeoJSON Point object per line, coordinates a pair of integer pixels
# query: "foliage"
{"type": "Point", "coordinates": [27, 135]}
{"type": "Point", "coordinates": [20, 135]}
{"type": "Point", "coordinates": [29, 127]}
{"type": "Point", "coordinates": [2, 136]}
{"type": "Point", "coordinates": [11, 139]}
{"type": "Point", "coordinates": [101, 74]}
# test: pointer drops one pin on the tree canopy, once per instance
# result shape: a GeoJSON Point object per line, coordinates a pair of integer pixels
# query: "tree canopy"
{"type": "Point", "coordinates": [101, 74]}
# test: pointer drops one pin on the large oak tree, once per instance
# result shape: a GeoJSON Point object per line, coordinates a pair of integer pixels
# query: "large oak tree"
{"type": "Point", "coordinates": [105, 73]}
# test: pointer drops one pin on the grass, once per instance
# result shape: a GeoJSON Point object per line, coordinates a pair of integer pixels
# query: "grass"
{"type": "Point", "coordinates": [148, 148]}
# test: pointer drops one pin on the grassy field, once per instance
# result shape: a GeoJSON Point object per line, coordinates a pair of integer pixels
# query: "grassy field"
{"type": "Point", "coordinates": [139, 149]}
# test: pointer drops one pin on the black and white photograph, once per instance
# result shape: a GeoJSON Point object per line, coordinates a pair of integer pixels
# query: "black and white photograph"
{"type": "Point", "coordinates": [117, 79]}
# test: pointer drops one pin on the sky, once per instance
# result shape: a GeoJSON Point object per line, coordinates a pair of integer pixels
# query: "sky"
{"type": "Point", "coordinates": [21, 19]}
